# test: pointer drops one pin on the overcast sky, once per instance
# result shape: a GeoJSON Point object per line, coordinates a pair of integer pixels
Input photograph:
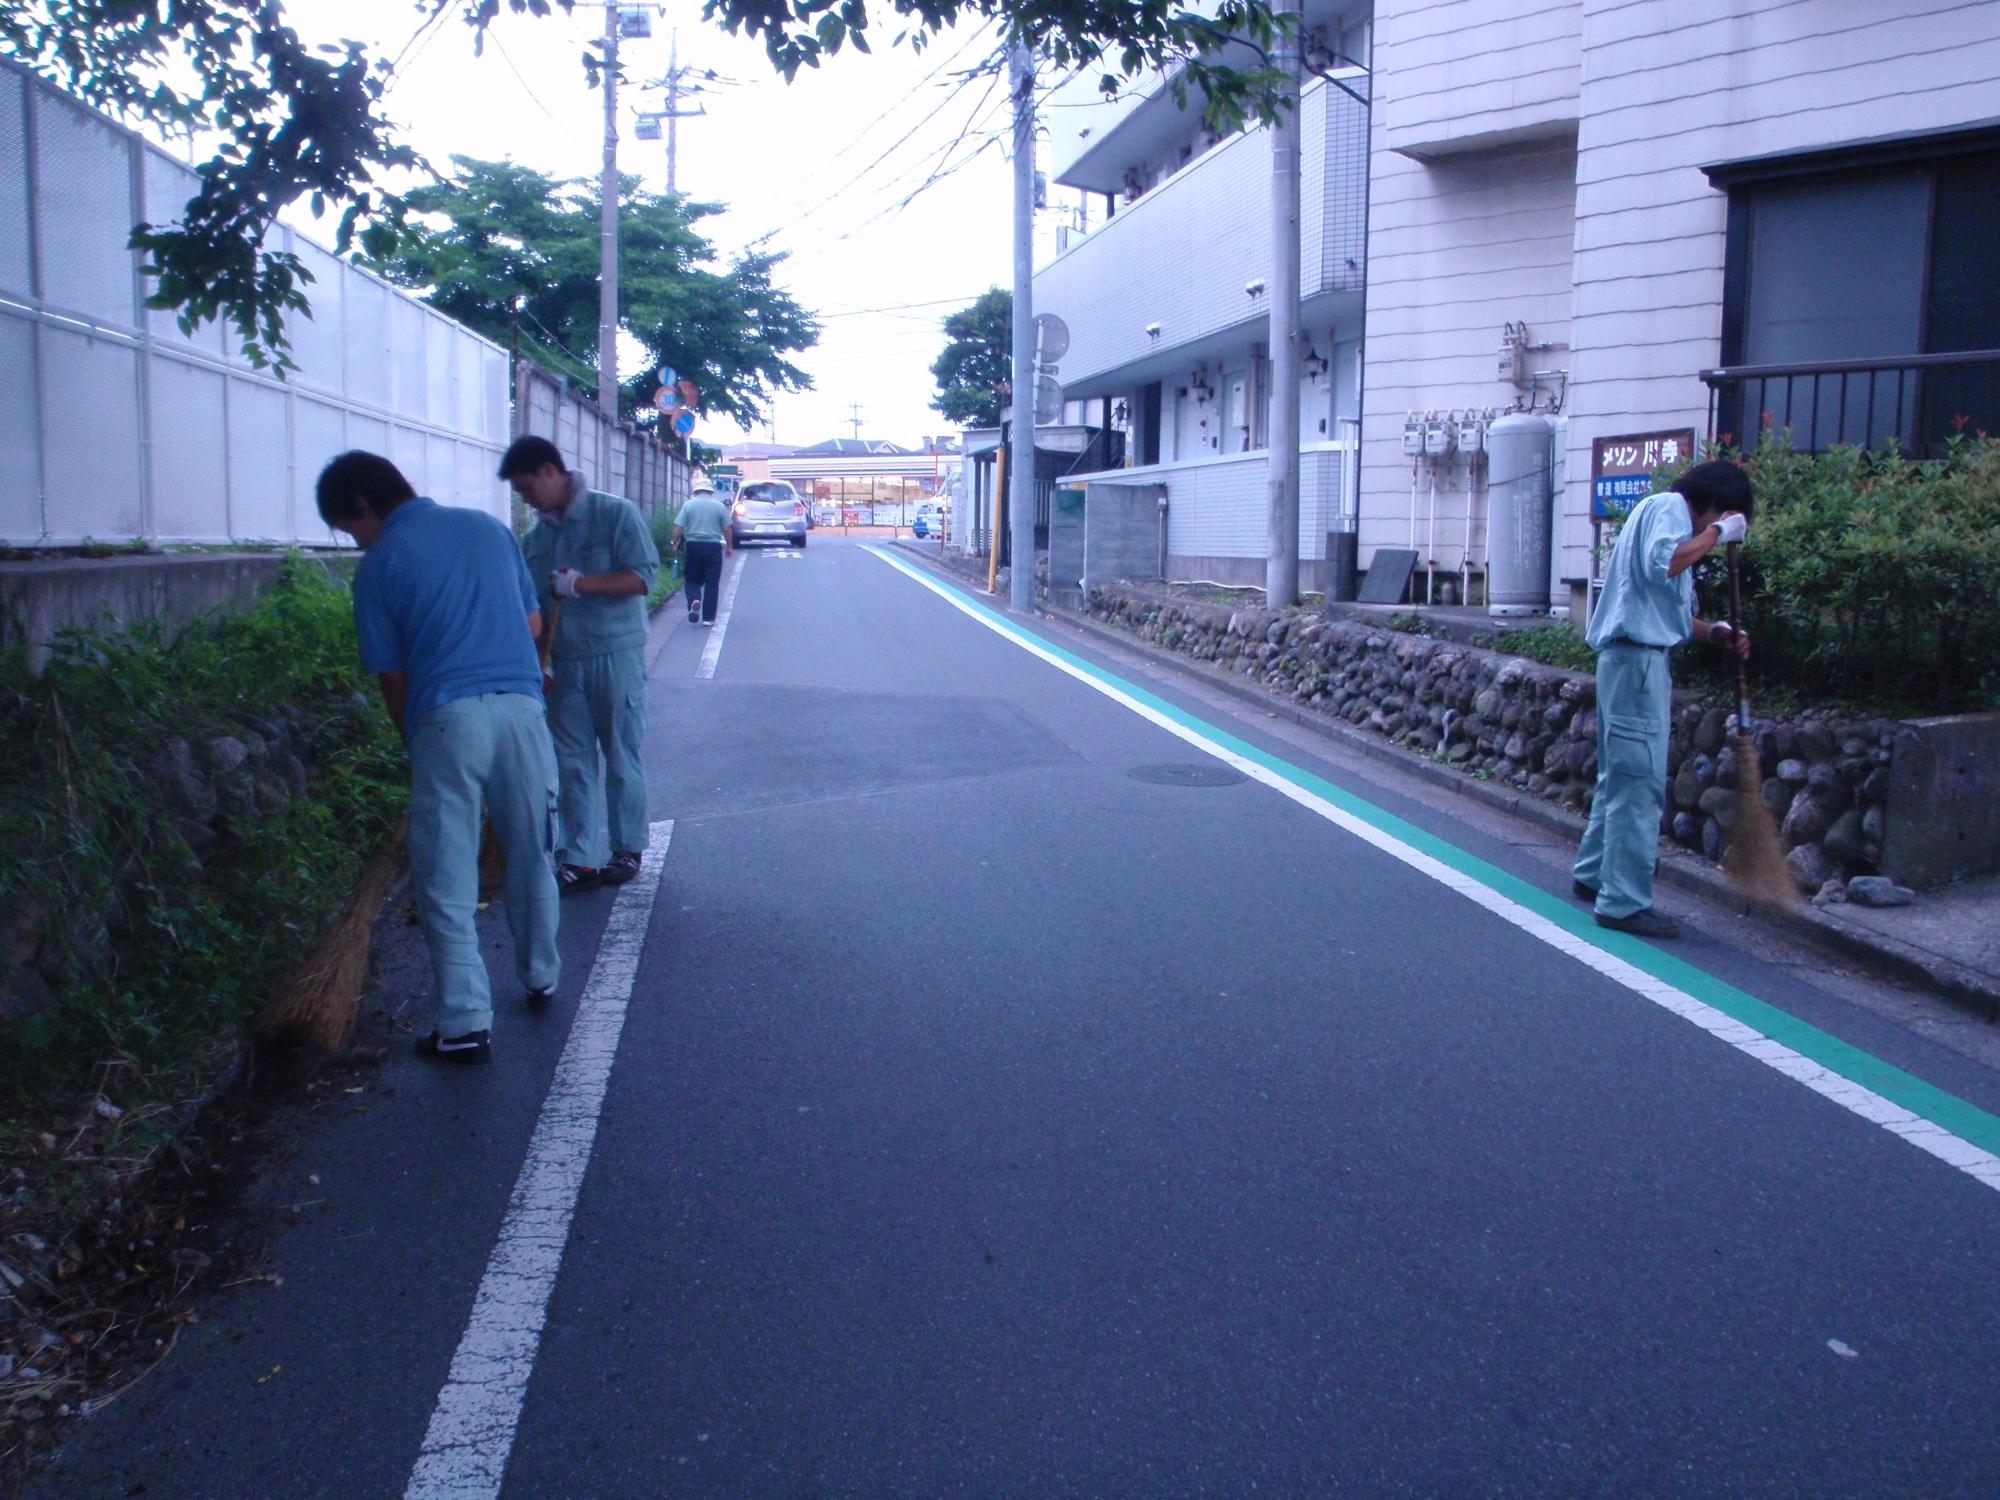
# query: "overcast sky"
{"type": "Point", "coordinates": [820, 166]}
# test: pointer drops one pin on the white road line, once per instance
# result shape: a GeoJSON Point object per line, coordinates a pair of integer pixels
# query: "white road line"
{"type": "Point", "coordinates": [471, 1432]}
{"type": "Point", "coordinates": [712, 652]}
{"type": "Point", "coordinates": [1926, 1135]}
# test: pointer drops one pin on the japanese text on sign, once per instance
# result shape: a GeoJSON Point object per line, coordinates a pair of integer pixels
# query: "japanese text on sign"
{"type": "Point", "coordinates": [1621, 468]}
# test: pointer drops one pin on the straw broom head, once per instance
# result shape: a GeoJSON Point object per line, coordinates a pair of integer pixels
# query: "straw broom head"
{"type": "Point", "coordinates": [1755, 858]}
{"type": "Point", "coordinates": [321, 1004]}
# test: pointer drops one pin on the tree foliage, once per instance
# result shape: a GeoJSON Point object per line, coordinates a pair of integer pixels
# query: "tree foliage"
{"type": "Point", "coordinates": [972, 373]}
{"type": "Point", "coordinates": [515, 249]}
{"type": "Point", "coordinates": [304, 122]}
{"type": "Point", "coordinates": [298, 121]}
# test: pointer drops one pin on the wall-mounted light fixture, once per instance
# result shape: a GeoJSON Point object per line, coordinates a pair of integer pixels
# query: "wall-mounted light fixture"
{"type": "Point", "coordinates": [1152, 330]}
{"type": "Point", "coordinates": [1254, 288]}
{"type": "Point", "coordinates": [1120, 414]}
{"type": "Point", "coordinates": [1314, 364]}
{"type": "Point", "coordinates": [1198, 386]}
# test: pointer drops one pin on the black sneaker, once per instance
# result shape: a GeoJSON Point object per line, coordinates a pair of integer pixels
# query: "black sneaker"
{"type": "Point", "coordinates": [573, 878]}
{"type": "Point", "coordinates": [473, 1047]}
{"type": "Point", "coordinates": [1645, 922]}
{"type": "Point", "coordinates": [539, 999]}
{"type": "Point", "coordinates": [694, 613]}
{"type": "Point", "coordinates": [1582, 892]}
{"type": "Point", "coordinates": [624, 865]}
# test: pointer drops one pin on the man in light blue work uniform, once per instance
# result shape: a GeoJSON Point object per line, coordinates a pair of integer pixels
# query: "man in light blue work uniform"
{"type": "Point", "coordinates": [1647, 608]}
{"type": "Point", "coordinates": [701, 531]}
{"type": "Point", "coordinates": [593, 562]}
{"type": "Point", "coordinates": [447, 619]}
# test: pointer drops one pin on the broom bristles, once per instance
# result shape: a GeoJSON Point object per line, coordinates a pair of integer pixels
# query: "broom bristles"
{"type": "Point", "coordinates": [1755, 859]}
{"type": "Point", "coordinates": [321, 1004]}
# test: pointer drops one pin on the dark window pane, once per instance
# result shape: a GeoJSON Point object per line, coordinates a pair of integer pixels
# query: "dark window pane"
{"type": "Point", "coordinates": [1836, 269]}
{"type": "Point", "coordinates": [1965, 257]}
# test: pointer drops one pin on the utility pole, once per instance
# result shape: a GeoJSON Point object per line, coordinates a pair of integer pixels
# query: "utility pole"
{"type": "Point", "coordinates": [1281, 562]}
{"type": "Point", "coordinates": [607, 250]}
{"type": "Point", "coordinates": [855, 407]}
{"type": "Point", "coordinates": [1021, 465]}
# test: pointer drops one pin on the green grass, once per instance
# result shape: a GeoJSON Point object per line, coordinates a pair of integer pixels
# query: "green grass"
{"type": "Point", "coordinates": [1553, 645]}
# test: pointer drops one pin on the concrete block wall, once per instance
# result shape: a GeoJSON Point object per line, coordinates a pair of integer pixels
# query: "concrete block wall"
{"type": "Point", "coordinates": [1121, 531]}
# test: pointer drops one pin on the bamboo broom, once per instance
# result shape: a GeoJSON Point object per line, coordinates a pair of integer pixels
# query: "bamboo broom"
{"type": "Point", "coordinates": [1755, 858]}
{"type": "Point", "coordinates": [321, 1004]}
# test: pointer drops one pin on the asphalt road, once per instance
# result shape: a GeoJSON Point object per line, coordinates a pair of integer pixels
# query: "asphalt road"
{"type": "Point", "coordinates": [989, 1120]}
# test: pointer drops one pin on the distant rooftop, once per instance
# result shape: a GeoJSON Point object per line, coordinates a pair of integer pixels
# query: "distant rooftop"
{"type": "Point", "coordinates": [759, 450]}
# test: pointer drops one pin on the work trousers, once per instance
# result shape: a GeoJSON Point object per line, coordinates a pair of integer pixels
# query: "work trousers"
{"type": "Point", "coordinates": [598, 716]}
{"type": "Point", "coordinates": [1621, 843]}
{"type": "Point", "coordinates": [491, 750]}
{"type": "Point", "coordinates": [701, 567]}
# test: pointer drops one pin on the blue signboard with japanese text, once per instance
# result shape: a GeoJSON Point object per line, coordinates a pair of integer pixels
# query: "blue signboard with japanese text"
{"type": "Point", "coordinates": [1621, 468]}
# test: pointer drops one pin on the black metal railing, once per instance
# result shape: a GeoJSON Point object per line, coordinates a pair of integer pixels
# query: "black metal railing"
{"type": "Point", "coordinates": [1916, 402]}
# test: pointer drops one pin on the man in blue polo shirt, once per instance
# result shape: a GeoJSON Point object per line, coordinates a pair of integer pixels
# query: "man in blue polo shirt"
{"type": "Point", "coordinates": [447, 618]}
{"type": "Point", "coordinates": [1647, 609]}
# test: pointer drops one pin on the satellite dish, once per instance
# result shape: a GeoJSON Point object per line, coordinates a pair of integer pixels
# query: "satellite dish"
{"type": "Point", "coordinates": [1051, 336]}
{"type": "Point", "coordinates": [1048, 399]}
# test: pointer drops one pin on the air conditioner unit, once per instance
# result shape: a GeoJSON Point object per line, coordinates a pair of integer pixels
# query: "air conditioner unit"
{"type": "Point", "coordinates": [635, 22]}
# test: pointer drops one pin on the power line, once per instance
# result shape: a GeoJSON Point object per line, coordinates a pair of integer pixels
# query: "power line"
{"type": "Point", "coordinates": [915, 89]}
{"type": "Point", "coordinates": [940, 172]}
{"type": "Point", "coordinates": [894, 146]}
{"type": "Point", "coordinates": [896, 307]}
{"type": "Point", "coordinates": [528, 89]}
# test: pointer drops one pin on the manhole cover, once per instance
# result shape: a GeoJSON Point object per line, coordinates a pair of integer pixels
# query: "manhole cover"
{"type": "Point", "coordinates": [1206, 773]}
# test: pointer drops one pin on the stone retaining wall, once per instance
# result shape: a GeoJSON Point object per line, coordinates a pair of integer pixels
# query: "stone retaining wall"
{"type": "Point", "coordinates": [209, 791]}
{"type": "Point", "coordinates": [1508, 719]}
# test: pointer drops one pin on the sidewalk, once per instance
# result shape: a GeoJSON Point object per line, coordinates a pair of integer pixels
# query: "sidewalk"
{"type": "Point", "coordinates": [1949, 940]}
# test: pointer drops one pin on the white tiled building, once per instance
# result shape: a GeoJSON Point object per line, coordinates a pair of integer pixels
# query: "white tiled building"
{"type": "Point", "coordinates": [1648, 188]}
{"type": "Point", "coordinates": [1167, 314]}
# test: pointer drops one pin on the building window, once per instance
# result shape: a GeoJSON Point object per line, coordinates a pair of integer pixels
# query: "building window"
{"type": "Point", "coordinates": [1872, 261]}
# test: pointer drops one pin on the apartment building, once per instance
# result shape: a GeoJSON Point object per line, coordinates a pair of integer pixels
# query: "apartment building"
{"type": "Point", "coordinates": [1167, 310]}
{"type": "Point", "coordinates": [1574, 210]}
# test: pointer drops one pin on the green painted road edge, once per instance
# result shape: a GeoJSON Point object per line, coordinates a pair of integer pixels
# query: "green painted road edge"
{"type": "Point", "coordinates": [1946, 1110]}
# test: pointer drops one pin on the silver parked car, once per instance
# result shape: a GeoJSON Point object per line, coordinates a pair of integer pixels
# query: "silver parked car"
{"type": "Point", "coordinates": [770, 511]}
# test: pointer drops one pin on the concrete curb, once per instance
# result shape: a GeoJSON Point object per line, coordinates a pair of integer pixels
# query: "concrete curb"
{"type": "Point", "coordinates": [1970, 988]}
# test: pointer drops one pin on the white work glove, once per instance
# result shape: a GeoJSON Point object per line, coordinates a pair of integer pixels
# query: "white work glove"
{"type": "Point", "coordinates": [1722, 633]}
{"type": "Point", "coordinates": [564, 581]}
{"type": "Point", "coordinates": [1732, 527]}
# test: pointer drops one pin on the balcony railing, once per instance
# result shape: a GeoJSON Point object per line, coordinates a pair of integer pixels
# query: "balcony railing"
{"type": "Point", "coordinates": [1916, 402]}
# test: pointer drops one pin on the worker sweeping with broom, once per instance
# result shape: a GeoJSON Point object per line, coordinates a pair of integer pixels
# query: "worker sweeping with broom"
{"type": "Point", "coordinates": [1647, 609]}
{"type": "Point", "coordinates": [447, 617]}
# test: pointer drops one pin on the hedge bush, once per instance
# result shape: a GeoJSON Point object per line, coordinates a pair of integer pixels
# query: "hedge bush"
{"type": "Point", "coordinates": [1871, 578]}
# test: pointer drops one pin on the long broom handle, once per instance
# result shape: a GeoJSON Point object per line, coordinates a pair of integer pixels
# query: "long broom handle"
{"type": "Point", "coordinates": [1735, 625]}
